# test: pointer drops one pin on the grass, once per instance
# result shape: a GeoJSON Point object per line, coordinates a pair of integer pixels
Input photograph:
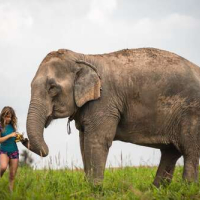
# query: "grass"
{"type": "Point", "coordinates": [120, 183]}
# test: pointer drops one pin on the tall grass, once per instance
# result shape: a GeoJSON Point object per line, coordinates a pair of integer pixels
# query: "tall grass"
{"type": "Point", "coordinates": [119, 183]}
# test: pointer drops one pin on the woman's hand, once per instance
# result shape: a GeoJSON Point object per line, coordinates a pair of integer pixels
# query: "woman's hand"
{"type": "Point", "coordinates": [13, 134]}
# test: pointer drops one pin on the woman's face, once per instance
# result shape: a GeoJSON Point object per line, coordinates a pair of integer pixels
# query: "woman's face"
{"type": "Point", "coordinates": [8, 118]}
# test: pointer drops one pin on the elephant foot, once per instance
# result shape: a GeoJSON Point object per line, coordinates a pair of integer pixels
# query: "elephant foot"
{"type": "Point", "coordinates": [162, 182]}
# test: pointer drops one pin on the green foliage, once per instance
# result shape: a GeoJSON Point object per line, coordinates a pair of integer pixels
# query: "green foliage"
{"type": "Point", "coordinates": [119, 183]}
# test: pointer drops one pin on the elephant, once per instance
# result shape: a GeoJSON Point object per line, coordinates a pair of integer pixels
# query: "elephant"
{"type": "Point", "coordinates": [144, 96]}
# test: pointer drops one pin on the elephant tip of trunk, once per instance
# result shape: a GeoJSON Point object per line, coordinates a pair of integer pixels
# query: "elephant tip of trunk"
{"type": "Point", "coordinates": [43, 155]}
{"type": "Point", "coordinates": [44, 152]}
{"type": "Point", "coordinates": [37, 149]}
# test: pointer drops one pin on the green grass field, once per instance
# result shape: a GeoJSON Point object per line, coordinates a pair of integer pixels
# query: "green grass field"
{"type": "Point", "coordinates": [120, 183]}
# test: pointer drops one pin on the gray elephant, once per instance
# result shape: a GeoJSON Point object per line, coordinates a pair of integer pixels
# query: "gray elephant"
{"type": "Point", "coordinates": [144, 96]}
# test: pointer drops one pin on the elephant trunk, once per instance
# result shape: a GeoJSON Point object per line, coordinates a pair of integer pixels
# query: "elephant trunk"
{"type": "Point", "coordinates": [36, 120]}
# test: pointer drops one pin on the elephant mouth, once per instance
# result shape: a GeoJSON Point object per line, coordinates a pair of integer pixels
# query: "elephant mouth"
{"type": "Point", "coordinates": [48, 121]}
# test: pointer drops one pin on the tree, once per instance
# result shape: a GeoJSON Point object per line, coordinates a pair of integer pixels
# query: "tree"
{"type": "Point", "coordinates": [26, 160]}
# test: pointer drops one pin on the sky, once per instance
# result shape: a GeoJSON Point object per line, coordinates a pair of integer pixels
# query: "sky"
{"type": "Point", "coordinates": [29, 30]}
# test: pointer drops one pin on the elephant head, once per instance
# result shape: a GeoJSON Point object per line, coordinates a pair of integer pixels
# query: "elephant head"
{"type": "Point", "coordinates": [64, 82]}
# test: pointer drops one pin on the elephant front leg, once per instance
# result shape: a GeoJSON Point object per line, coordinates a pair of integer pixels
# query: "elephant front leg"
{"type": "Point", "coordinates": [96, 148]}
{"type": "Point", "coordinates": [81, 137]}
{"type": "Point", "coordinates": [95, 160]}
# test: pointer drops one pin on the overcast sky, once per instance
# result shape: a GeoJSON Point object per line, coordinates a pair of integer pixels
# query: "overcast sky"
{"type": "Point", "coordinates": [31, 29]}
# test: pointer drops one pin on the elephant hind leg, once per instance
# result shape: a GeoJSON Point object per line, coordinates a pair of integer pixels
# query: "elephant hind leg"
{"type": "Point", "coordinates": [166, 167]}
{"type": "Point", "coordinates": [191, 165]}
{"type": "Point", "coordinates": [190, 128]}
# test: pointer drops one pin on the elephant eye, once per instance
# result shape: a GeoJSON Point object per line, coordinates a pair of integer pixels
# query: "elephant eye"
{"type": "Point", "coordinates": [52, 87]}
{"type": "Point", "coordinates": [53, 90]}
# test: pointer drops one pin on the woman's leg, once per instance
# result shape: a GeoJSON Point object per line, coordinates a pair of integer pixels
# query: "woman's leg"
{"type": "Point", "coordinates": [4, 163]}
{"type": "Point", "coordinates": [13, 165]}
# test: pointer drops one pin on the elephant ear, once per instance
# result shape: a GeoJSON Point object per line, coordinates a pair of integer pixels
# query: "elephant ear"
{"type": "Point", "coordinates": [87, 84]}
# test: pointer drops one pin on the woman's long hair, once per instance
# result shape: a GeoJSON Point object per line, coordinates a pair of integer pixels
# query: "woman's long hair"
{"type": "Point", "coordinates": [5, 111]}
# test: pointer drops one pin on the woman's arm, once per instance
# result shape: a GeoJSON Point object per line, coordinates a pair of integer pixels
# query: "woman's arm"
{"type": "Point", "coordinates": [3, 139]}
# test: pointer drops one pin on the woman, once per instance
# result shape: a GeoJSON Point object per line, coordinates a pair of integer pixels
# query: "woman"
{"type": "Point", "coordinates": [9, 154]}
